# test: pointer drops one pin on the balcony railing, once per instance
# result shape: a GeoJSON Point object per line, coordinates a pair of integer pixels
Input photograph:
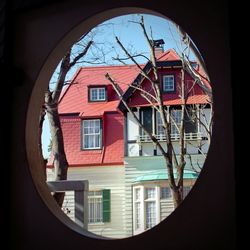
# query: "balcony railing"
{"type": "Point", "coordinates": [174, 137]}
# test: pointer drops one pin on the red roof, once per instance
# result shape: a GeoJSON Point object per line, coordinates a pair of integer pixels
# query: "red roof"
{"type": "Point", "coordinates": [169, 55]}
{"type": "Point", "coordinates": [75, 97]}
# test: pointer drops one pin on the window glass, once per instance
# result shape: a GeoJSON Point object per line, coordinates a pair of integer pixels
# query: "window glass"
{"type": "Point", "coordinates": [95, 206]}
{"type": "Point", "coordinates": [168, 83]}
{"type": "Point", "coordinates": [91, 134]}
{"type": "Point", "coordinates": [97, 94]}
{"type": "Point", "coordinates": [165, 193]}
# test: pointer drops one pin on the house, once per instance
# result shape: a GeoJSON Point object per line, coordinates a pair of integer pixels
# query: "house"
{"type": "Point", "coordinates": [127, 176]}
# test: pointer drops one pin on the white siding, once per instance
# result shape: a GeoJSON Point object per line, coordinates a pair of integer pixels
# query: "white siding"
{"type": "Point", "coordinates": [133, 149]}
{"type": "Point", "coordinates": [101, 177]}
{"type": "Point", "coordinates": [133, 128]}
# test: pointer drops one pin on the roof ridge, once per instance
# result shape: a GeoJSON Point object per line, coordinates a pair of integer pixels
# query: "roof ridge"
{"type": "Point", "coordinates": [110, 66]}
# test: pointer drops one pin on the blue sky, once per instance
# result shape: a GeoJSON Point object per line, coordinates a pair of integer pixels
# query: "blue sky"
{"type": "Point", "coordinates": [130, 34]}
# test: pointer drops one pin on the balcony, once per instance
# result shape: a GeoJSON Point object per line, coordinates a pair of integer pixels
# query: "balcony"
{"type": "Point", "coordinates": [174, 137]}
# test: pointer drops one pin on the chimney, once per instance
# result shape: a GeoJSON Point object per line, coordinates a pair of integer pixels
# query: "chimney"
{"type": "Point", "coordinates": [158, 47]}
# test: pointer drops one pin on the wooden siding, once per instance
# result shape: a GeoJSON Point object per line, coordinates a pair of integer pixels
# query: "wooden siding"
{"type": "Point", "coordinates": [101, 177]}
{"type": "Point", "coordinates": [131, 172]}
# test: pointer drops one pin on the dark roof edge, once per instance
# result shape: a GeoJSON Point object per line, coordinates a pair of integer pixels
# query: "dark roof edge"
{"type": "Point", "coordinates": [138, 79]}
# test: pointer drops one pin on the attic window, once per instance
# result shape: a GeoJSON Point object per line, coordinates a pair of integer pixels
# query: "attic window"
{"type": "Point", "coordinates": [168, 84]}
{"type": "Point", "coordinates": [97, 94]}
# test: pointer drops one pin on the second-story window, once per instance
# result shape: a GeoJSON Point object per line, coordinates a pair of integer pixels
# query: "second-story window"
{"type": "Point", "coordinates": [97, 94]}
{"type": "Point", "coordinates": [92, 134]}
{"type": "Point", "coordinates": [175, 121]}
{"type": "Point", "coordinates": [159, 125]}
{"type": "Point", "coordinates": [168, 83]}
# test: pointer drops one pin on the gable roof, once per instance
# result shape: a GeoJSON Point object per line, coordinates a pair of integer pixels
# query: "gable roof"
{"type": "Point", "coordinates": [168, 59]}
{"type": "Point", "coordinates": [75, 97]}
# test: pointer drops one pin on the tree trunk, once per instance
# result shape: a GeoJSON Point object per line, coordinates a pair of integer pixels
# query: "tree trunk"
{"type": "Point", "coordinates": [60, 161]}
{"type": "Point", "coordinates": [177, 196]}
{"type": "Point", "coordinates": [41, 120]}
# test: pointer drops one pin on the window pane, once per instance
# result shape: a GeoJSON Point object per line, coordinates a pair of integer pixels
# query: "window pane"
{"type": "Point", "coordinates": [168, 83]}
{"type": "Point", "coordinates": [95, 207]}
{"type": "Point", "coordinates": [165, 193]}
{"type": "Point", "coordinates": [92, 134]}
{"type": "Point", "coordinates": [150, 214]}
{"type": "Point", "coordinates": [93, 94]}
{"type": "Point", "coordinates": [176, 116]}
{"type": "Point", "coordinates": [159, 125]}
{"type": "Point", "coordinates": [137, 215]}
{"type": "Point", "coordinates": [86, 141]}
{"type": "Point", "coordinates": [97, 141]}
{"type": "Point", "coordinates": [150, 193]}
{"type": "Point", "coordinates": [137, 194]}
{"type": "Point", "coordinates": [102, 94]}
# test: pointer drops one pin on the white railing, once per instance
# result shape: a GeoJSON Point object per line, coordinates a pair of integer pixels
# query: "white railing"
{"type": "Point", "coordinates": [174, 137]}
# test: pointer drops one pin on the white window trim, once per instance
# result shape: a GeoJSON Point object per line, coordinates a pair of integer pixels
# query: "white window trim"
{"type": "Point", "coordinates": [101, 212]}
{"type": "Point", "coordinates": [143, 202]}
{"type": "Point", "coordinates": [173, 87]}
{"type": "Point", "coordinates": [98, 92]}
{"type": "Point", "coordinates": [83, 135]}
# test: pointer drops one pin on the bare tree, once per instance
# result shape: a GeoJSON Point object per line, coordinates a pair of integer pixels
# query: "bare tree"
{"type": "Point", "coordinates": [50, 108]}
{"type": "Point", "coordinates": [154, 98]}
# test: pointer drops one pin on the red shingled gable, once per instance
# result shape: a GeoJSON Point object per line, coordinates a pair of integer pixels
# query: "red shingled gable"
{"type": "Point", "coordinates": [75, 98]}
{"type": "Point", "coordinates": [169, 55]}
{"type": "Point", "coordinates": [112, 152]}
{"type": "Point", "coordinates": [197, 96]}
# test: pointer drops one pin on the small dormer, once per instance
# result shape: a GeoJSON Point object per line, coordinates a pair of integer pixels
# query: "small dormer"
{"type": "Point", "coordinates": [97, 93]}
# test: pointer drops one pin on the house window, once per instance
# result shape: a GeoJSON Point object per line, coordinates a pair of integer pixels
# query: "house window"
{"type": "Point", "coordinates": [150, 207]}
{"type": "Point", "coordinates": [146, 119]}
{"type": "Point", "coordinates": [165, 193]}
{"type": "Point", "coordinates": [175, 121]}
{"type": "Point", "coordinates": [190, 118]}
{"type": "Point", "coordinates": [95, 206]}
{"type": "Point", "coordinates": [168, 83]}
{"type": "Point", "coordinates": [99, 206]}
{"type": "Point", "coordinates": [97, 94]}
{"type": "Point", "coordinates": [159, 124]}
{"type": "Point", "coordinates": [138, 208]}
{"type": "Point", "coordinates": [92, 134]}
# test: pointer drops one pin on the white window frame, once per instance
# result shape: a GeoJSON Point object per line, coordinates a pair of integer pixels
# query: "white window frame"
{"type": "Point", "coordinates": [166, 86]}
{"type": "Point", "coordinates": [175, 130]}
{"type": "Point", "coordinates": [139, 219]}
{"type": "Point", "coordinates": [98, 94]}
{"type": "Point", "coordinates": [159, 125]}
{"type": "Point", "coordinates": [99, 133]}
{"type": "Point", "coordinates": [96, 198]}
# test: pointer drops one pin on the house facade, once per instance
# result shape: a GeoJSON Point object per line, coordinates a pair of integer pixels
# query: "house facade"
{"type": "Point", "coordinates": [128, 182]}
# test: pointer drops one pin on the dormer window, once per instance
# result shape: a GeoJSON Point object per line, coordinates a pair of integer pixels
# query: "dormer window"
{"type": "Point", "coordinates": [97, 94]}
{"type": "Point", "coordinates": [168, 83]}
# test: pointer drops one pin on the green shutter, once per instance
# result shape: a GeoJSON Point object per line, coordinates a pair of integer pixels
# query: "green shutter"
{"type": "Point", "coordinates": [106, 208]}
